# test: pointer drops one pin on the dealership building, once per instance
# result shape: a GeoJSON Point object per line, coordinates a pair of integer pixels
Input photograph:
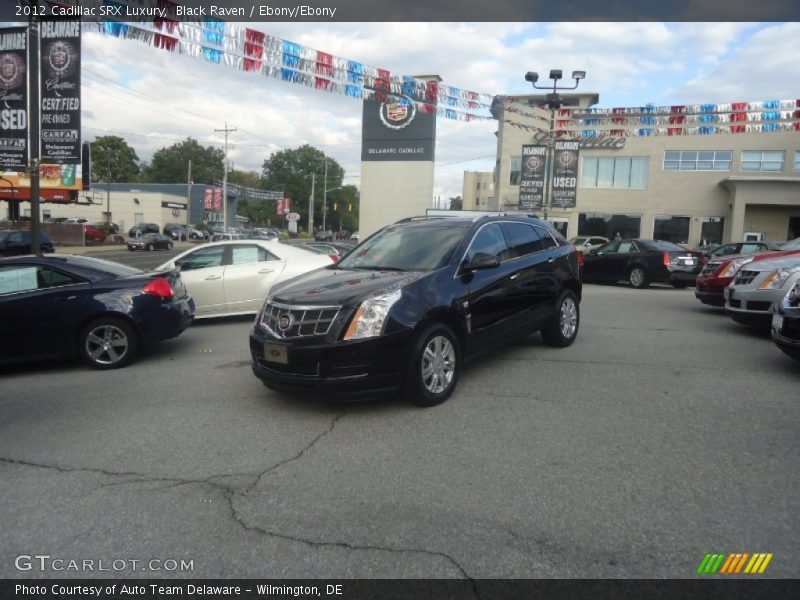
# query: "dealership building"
{"type": "Point", "coordinates": [682, 173]}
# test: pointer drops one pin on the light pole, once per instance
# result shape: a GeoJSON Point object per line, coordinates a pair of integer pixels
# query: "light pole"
{"type": "Point", "coordinates": [554, 102]}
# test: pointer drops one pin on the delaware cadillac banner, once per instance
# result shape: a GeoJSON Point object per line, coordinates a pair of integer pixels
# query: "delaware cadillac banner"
{"type": "Point", "coordinates": [61, 91]}
{"type": "Point", "coordinates": [565, 173]}
{"type": "Point", "coordinates": [13, 99]}
{"type": "Point", "coordinates": [531, 181]}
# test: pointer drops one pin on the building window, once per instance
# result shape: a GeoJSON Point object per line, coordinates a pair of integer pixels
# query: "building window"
{"type": "Point", "coordinates": [608, 225]}
{"type": "Point", "coordinates": [796, 161]}
{"type": "Point", "coordinates": [614, 172]}
{"type": "Point", "coordinates": [698, 160]}
{"type": "Point", "coordinates": [671, 229]}
{"type": "Point", "coordinates": [516, 168]}
{"type": "Point", "coordinates": [757, 160]}
{"type": "Point", "coordinates": [711, 229]}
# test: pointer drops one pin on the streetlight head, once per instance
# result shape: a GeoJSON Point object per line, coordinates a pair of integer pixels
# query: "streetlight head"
{"type": "Point", "coordinates": [532, 76]}
{"type": "Point", "coordinates": [578, 75]}
{"type": "Point", "coordinates": [555, 74]}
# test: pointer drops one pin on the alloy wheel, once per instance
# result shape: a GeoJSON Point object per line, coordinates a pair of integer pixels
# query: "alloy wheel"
{"type": "Point", "coordinates": [438, 364]}
{"type": "Point", "coordinates": [568, 317]}
{"type": "Point", "coordinates": [107, 344]}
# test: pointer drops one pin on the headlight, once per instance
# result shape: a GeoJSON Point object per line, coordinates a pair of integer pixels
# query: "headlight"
{"type": "Point", "coordinates": [735, 265]}
{"type": "Point", "coordinates": [371, 316]}
{"type": "Point", "coordinates": [793, 296]}
{"type": "Point", "coordinates": [776, 279]}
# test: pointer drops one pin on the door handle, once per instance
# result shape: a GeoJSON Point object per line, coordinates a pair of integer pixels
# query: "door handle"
{"type": "Point", "coordinates": [213, 277]}
{"type": "Point", "coordinates": [266, 270]}
{"type": "Point", "coordinates": [514, 276]}
{"type": "Point", "coordinates": [551, 260]}
{"type": "Point", "coordinates": [67, 299]}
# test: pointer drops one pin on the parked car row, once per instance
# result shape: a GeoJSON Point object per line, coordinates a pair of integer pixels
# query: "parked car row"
{"type": "Point", "coordinates": [758, 289]}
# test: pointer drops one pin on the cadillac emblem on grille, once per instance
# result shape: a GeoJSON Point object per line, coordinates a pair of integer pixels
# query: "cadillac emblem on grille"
{"type": "Point", "coordinates": [285, 321]}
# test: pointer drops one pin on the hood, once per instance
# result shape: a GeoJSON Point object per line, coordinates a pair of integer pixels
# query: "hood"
{"type": "Point", "coordinates": [770, 263]}
{"type": "Point", "coordinates": [340, 286]}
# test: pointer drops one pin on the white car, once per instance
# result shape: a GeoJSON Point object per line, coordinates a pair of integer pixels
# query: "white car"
{"type": "Point", "coordinates": [233, 277]}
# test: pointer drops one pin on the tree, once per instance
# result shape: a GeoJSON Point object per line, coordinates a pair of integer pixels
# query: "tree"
{"type": "Point", "coordinates": [343, 209]}
{"type": "Point", "coordinates": [291, 171]}
{"type": "Point", "coordinates": [113, 160]}
{"type": "Point", "coordinates": [260, 212]}
{"type": "Point", "coordinates": [170, 165]}
{"type": "Point", "coordinates": [456, 203]}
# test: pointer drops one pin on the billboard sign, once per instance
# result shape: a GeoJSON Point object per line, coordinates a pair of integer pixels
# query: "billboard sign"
{"type": "Point", "coordinates": [13, 99]}
{"type": "Point", "coordinates": [396, 130]}
{"type": "Point", "coordinates": [531, 182]}
{"type": "Point", "coordinates": [565, 173]}
{"type": "Point", "coordinates": [61, 91]}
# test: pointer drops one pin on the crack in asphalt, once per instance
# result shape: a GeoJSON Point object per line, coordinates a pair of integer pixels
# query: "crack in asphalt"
{"type": "Point", "coordinates": [346, 545]}
{"type": "Point", "coordinates": [230, 493]}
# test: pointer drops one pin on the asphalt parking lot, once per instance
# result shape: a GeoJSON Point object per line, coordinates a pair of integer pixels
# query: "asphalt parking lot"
{"type": "Point", "coordinates": [665, 432]}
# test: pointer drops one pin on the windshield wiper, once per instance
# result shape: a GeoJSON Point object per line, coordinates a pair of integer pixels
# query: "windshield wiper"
{"type": "Point", "coordinates": [376, 268]}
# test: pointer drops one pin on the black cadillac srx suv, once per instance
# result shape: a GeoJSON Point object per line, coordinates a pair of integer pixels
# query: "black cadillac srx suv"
{"type": "Point", "coordinates": [404, 309]}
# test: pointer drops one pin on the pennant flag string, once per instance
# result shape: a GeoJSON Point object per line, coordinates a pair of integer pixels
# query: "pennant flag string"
{"type": "Point", "coordinates": [251, 50]}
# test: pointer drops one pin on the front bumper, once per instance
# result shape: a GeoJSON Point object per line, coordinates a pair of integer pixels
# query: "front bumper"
{"type": "Point", "coordinates": [334, 371]}
{"type": "Point", "coordinates": [751, 306]}
{"type": "Point", "coordinates": [710, 291]}
{"type": "Point", "coordinates": [787, 335]}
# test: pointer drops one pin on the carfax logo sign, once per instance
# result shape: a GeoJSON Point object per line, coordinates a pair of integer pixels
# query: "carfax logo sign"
{"type": "Point", "coordinates": [13, 99]}
{"type": "Point", "coordinates": [61, 91]}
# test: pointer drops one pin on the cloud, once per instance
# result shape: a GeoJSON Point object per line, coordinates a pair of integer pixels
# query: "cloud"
{"type": "Point", "coordinates": [154, 98]}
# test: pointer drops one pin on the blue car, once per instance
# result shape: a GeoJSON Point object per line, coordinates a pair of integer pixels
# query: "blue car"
{"type": "Point", "coordinates": [103, 312]}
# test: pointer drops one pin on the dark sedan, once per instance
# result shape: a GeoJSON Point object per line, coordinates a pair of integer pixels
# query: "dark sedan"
{"type": "Point", "coordinates": [14, 242]}
{"type": "Point", "coordinates": [103, 312]}
{"type": "Point", "coordinates": [642, 262]}
{"type": "Point", "coordinates": [150, 241]}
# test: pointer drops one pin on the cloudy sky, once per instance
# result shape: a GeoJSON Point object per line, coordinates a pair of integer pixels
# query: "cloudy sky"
{"type": "Point", "coordinates": [154, 98]}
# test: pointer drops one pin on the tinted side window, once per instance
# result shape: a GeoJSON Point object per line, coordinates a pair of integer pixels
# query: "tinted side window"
{"type": "Point", "coordinates": [488, 240]}
{"type": "Point", "coordinates": [522, 239]}
{"type": "Point", "coordinates": [50, 278]}
{"type": "Point", "coordinates": [547, 239]}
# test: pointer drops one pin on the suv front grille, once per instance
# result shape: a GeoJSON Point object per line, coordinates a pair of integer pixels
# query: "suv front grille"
{"type": "Point", "coordinates": [745, 277]}
{"type": "Point", "coordinates": [710, 268]}
{"type": "Point", "coordinates": [289, 321]}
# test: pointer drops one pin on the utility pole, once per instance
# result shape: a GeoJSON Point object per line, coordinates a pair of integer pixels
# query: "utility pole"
{"type": "Point", "coordinates": [188, 201]}
{"type": "Point", "coordinates": [325, 195]}
{"type": "Point", "coordinates": [225, 178]}
{"type": "Point", "coordinates": [35, 128]}
{"type": "Point", "coordinates": [311, 206]}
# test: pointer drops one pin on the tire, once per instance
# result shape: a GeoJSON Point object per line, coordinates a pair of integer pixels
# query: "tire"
{"type": "Point", "coordinates": [795, 354]}
{"type": "Point", "coordinates": [435, 366]}
{"type": "Point", "coordinates": [562, 329]}
{"type": "Point", "coordinates": [108, 343]}
{"type": "Point", "coordinates": [149, 247]}
{"type": "Point", "coordinates": [637, 277]}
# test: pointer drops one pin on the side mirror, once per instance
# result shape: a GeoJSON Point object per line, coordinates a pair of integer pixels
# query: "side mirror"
{"type": "Point", "coordinates": [482, 261]}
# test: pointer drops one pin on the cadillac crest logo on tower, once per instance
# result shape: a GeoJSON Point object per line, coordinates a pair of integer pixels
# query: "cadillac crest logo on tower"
{"type": "Point", "coordinates": [398, 113]}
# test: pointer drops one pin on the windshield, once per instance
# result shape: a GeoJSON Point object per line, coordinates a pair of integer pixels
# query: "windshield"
{"type": "Point", "coordinates": [793, 245]}
{"type": "Point", "coordinates": [406, 248]}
